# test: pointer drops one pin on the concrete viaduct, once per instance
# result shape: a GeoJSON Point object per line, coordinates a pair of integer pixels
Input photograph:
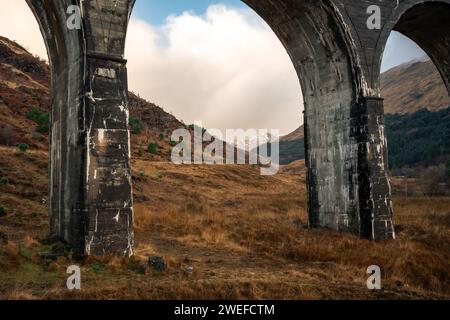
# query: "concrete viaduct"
{"type": "Point", "coordinates": [337, 55]}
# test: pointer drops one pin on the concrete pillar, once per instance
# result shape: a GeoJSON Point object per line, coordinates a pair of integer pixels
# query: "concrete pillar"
{"type": "Point", "coordinates": [90, 184]}
{"type": "Point", "coordinates": [375, 206]}
{"type": "Point", "coordinates": [108, 174]}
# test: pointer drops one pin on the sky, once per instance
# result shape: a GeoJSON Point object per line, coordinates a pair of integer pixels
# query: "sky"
{"type": "Point", "coordinates": [211, 61]}
{"type": "Point", "coordinates": [156, 12]}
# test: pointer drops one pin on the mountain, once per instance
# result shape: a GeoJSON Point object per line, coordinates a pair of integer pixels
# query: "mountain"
{"type": "Point", "coordinates": [24, 83]}
{"type": "Point", "coordinates": [416, 106]}
{"type": "Point", "coordinates": [412, 86]}
{"type": "Point", "coordinates": [295, 135]}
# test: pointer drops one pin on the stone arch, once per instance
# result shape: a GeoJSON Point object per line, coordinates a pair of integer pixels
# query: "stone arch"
{"type": "Point", "coordinates": [341, 185]}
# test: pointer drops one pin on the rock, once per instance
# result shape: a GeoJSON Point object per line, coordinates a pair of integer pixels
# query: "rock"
{"type": "Point", "coordinates": [3, 237]}
{"type": "Point", "coordinates": [157, 263]}
{"type": "Point", "coordinates": [189, 269]}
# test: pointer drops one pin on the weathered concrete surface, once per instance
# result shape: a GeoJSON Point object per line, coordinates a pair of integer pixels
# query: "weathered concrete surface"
{"type": "Point", "coordinates": [337, 59]}
{"type": "Point", "coordinates": [90, 184]}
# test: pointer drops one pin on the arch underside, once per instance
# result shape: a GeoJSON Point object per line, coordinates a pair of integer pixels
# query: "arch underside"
{"type": "Point", "coordinates": [428, 25]}
{"type": "Point", "coordinates": [66, 59]}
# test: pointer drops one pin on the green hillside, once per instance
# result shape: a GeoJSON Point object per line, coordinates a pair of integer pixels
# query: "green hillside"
{"type": "Point", "coordinates": [291, 151]}
{"type": "Point", "coordinates": [422, 138]}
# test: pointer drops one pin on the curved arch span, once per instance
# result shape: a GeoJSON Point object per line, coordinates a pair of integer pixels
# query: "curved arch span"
{"type": "Point", "coordinates": [428, 25]}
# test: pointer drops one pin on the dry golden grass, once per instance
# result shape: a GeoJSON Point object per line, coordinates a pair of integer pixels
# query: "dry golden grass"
{"type": "Point", "coordinates": [227, 232]}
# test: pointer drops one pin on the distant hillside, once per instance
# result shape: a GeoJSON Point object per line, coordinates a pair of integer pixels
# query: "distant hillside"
{"type": "Point", "coordinates": [412, 86]}
{"type": "Point", "coordinates": [25, 107]}
{"type": "Point", "coordinates": [422, 137]}
{"type": "Point", "coordinates": [292, 146]}
{"type": "Point", "coordinates": [295, 135]}
{"type": "Point", "coordinates": [24, 86]}
{"type": "Point", "coordinates": [416, 106]}
{"type": "Point", "coordinates": [292, 150]}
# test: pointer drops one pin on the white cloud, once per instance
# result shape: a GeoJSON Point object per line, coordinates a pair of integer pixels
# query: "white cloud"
{"type": "Point", "coordinates": [17, 23]}
{"type": "Point", "coordinates": [225, 68]}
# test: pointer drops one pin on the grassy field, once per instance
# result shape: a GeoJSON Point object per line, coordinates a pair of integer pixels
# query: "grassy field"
{"type": "Point", "coordinates": [225, 232]}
